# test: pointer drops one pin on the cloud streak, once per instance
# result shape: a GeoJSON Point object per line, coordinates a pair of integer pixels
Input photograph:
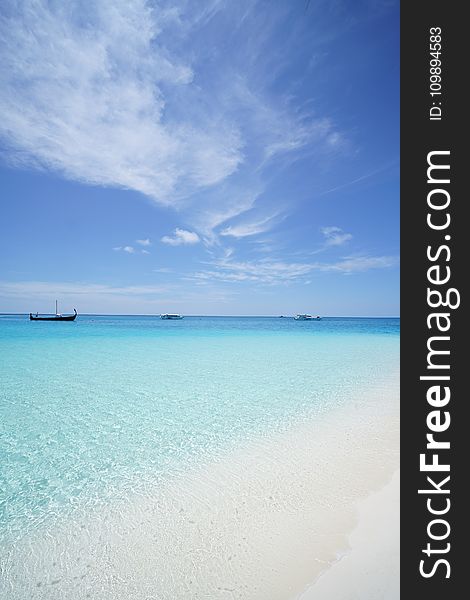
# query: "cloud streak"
{"type": "Point", "coordinates": [43, 289]}
{"type": "Point", "coordinates": [248, 229]}
{"type": "Point", "coordinates": [277, 272]}
{"type": "Point", "coordinates": [86, 297]}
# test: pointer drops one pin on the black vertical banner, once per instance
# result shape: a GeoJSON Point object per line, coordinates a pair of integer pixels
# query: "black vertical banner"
{"type": "Point", "coordinates": [434, 263]}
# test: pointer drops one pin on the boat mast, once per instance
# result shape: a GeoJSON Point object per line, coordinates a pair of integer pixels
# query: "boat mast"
{"type": "Point", "coordinates": [56, 308]}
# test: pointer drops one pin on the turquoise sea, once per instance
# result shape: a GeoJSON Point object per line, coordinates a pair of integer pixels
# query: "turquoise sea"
{"type": "Point", "coordinates": [106, 406]}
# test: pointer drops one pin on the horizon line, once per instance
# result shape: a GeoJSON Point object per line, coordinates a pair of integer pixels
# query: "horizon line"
{"type": "Point", "coordinates": [276, 316]}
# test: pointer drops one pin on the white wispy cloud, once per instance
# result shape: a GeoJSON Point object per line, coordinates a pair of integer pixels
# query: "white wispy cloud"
{"type": "Point", "coordinates": [263, 271]}
{"type": "Point", "coordinates": [43, 289]}
{"type": "Point", "coordinates": [354, 264]}
{"type": "Point", "coordinates": [146, 242]}
{"type": "Point", "coordinates": [335, 236]}
{"type": "Point", "coordinates": [24, 296]}
{"type": "Point", "coordinates": [364, 177]}
{"type": "Point", "coordinates": [88, 98]}
{"type": "Point", "coordinates": [226, 202]}
{"type": "Point", "coordinates": [180, 237]}
{"type": "Point", "coordinates": [275, 272]}
{"type": "Point", "coordinates": [123, 98]}
{"type": "Point", "coordinates": [247, 229]}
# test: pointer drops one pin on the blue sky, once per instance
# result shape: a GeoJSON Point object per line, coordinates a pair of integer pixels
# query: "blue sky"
{"type": "Point", "coordinates": [200, 157]}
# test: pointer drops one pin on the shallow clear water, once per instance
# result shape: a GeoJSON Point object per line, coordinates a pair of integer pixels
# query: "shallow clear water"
{"type": "Point", "coordinates": [93, 410]}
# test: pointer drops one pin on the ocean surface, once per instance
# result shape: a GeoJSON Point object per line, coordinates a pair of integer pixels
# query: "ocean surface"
{"type": "Point", "coordinates": [106, 407]}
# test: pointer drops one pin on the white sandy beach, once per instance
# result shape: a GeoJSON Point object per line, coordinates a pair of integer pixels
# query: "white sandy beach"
{"type": "Point", "coordinates": [371, 568]}
{"type": "Point", "coordinates": [268, 522]}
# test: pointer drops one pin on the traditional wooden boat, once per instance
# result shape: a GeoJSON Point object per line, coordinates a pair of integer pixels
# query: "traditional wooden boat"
{"type": "Point", "coordinates": [56, 317]}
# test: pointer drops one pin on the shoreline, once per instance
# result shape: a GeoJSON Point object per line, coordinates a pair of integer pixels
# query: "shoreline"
{"type": "Point", "coordinates": [371, 567]}
{"type": "Point", "coordinates": [258, 524]}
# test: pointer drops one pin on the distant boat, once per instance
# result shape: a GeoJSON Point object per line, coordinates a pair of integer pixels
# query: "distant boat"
{"type": "Point", "coordinates": [172, 317]}
{"type": "Point", "coordinates": [56, 317]}
{"type": "Point", "coordinates": [306, 318]}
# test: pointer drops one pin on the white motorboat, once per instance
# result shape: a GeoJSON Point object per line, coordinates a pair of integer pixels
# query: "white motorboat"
{"type": "Point", "coordinates": [306, 318]}
{"type": "Point", "coordinates": [171, 316]}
